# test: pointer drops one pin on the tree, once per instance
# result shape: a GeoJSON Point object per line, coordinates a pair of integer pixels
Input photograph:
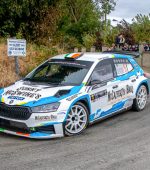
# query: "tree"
{"type": "Point", "coordinates": [22, 16]}
{"type": "Point", "coordinates": [106, 6]}
{"type": "Point", "coordinates": [59, 21]}
{"type": "Point", "coordinates": [80, 17]}
{"type": "Point", "coordinates": [126, 29]}
{"type": "Point", "coordinates": [141, 28]}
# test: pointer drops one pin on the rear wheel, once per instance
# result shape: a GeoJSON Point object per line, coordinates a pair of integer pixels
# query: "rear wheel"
{"type": "Point", "coordinates": [141, 98]}
{"type": "Point", "coordinates": [77, 119]}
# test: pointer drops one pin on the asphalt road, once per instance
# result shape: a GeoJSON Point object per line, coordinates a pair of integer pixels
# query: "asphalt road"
{"type": "Point", "coordinates": [118, 143]}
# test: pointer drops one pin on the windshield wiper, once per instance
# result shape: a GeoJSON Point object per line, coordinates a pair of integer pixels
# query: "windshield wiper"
{"type": "Point", "coordinates": [55, 84]}
{"type": "Point", "coordinates": [49, 83]}
{"type": "Point", "coordinates": [27, 79]}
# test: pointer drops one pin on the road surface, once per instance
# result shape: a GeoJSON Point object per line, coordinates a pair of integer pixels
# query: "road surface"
{"type": "Point", "coordinates": [118, 143]}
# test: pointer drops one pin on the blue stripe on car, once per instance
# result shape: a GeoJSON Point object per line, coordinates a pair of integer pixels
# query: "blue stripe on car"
{"type": "Point", "coordinates": [52, 99]}
{"type": "Point", "coordinates": [114, 108]}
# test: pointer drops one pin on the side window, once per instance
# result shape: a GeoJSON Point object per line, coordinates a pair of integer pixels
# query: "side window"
{"type": "Point", "coordinates": [103, 72]}
{"type": "Point", "coordinates": [122, 65]}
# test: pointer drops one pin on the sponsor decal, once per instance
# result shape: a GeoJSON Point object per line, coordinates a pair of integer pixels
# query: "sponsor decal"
{"type": "Point", "coordinates": [129, 89]}
{"type": "Point", "coordinates": [46, 118]}
{"type": "Point", "coordinates": [16, 98]}
{"type": "Point", "coordinates": [23, 92]}
{"type": "Point", "coordinates": [121, 61]}
{"type": "Point", "coordinates": [73, 97]}
{"type": "Point", "coordinates": [68, 63]}
{"type": "Point", "coordinates": [61, 113]}
{"type": "Point", "coordinates": [120, 93]}
{"type": "Point", "coordinates": [97, 96]}
{"type": "Point", "coordinates": [29, 89]}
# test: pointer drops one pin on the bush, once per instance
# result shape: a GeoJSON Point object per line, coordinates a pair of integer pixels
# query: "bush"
{"type": "Point", "coordinates": [89, 40]}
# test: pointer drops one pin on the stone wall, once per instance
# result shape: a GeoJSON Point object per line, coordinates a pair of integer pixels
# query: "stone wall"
{"type": "Point", "coordinates": [145, 60]}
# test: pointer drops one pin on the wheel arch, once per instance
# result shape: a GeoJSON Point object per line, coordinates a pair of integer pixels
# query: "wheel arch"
{"type": "Point", "coordinates": [86, 103]}
{"type": "Point", "coordinates": [145, 83]}
{"type": "Point", "coordinates": [85, 99]}
{"type": "Point", "coordinates": [135, 105]}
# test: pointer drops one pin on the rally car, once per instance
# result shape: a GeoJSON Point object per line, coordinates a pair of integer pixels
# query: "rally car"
{"type": "Point", "coordinates": [68, 92]}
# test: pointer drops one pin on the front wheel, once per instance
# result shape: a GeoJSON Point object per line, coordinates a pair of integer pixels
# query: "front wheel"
{"type": "Point", "coordinates": [141, 98]}
{"type": "Point", "coordinates": [77, 119]}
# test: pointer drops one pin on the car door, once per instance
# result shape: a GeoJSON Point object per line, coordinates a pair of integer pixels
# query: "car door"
{"type": "Point", "coordinates": [101, 82]}
{"type": "Point", "coordinates": [126, 79]}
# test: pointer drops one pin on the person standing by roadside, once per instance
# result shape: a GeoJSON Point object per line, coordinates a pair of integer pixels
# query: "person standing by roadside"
{"type": "Point", "coordinates": [122, 41]}
{"type": "Point", "coordinates": [117, 40]}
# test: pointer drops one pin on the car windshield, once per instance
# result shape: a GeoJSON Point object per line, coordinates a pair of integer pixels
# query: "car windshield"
{"type": "Point", "coordinates": [60, 72]}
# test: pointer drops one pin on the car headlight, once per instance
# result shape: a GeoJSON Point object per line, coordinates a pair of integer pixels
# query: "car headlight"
{"type": "Point", "coordinates": [46, 108]}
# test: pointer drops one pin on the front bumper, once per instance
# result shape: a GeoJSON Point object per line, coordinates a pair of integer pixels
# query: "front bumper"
{"type": "Point", "coordinates": [20, 121]}
{"type": "Point", "coordinates": [39, 132]}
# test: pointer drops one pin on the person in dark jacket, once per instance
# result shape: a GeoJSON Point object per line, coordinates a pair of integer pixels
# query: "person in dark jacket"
{"type": "Point", "coordinates": [117, 40]}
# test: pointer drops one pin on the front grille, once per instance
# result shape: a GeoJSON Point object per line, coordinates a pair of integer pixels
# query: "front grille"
{"type": "Point", "coordinates": [14, 112]}
{"type": "Point", "coordinates": [14, 126]}
{"type": "Point", "coordinates": [45, 129]}
{"type": "Point", "coordinates": [22, 127]}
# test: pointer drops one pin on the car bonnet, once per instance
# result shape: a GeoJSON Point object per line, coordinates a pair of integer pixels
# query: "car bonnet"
{"type": "Point", "coordinates": [26, 94]}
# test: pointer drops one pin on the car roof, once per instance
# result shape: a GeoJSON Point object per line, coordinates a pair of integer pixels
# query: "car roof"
{"type": "Point", "coordinates": [90, 56]}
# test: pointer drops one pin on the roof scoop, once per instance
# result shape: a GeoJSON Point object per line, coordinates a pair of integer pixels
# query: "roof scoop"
{"type": "Point", "coordinates": [62, 93]}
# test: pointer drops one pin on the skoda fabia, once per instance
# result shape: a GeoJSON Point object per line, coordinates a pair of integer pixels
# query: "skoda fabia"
{"type": "Point", "coordinates": [68, 92]}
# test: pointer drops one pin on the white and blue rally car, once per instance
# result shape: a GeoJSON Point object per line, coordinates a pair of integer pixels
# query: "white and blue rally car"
{"type": "Point", "coordinates": [68, 92]}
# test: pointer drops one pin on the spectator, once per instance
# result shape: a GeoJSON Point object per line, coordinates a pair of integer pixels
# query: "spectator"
{"type": "Point", "coordinates": [125, 47]}
{"type": "Point", "coordinates": [133, 47]}
{"type": "Point", "coordinates": [121, 41]}
{"type": "Point", "coordinates": [130, 47]}
{"type": "Point", "coordinates": [117, 40]}
{"type": "Point", "coordinates": [136, 47]}
{"type": "Point", "coordinates": [112, 48]}
{"type": "Point", "coordinates": [147, 47]}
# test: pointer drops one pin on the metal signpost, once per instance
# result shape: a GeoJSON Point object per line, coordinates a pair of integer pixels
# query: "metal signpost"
{"type": "Point", "coordinates": [16, 48]}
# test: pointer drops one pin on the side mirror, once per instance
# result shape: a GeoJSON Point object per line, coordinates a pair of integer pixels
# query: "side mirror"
{"type": "Point", "coordinates": [94, 82]}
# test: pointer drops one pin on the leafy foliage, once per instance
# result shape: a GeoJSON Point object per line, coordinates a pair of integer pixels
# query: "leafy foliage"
{"type": "Point", "coordinates": [141, 28]}
{"type": "Point", "coordinates": [89, 40]}
{"type": "Point", "coordinates": [126, 29]}
{"type": "Point", "coordinates": [22, 16]}
{"type": "Point", "coordinates": [136, 32]}
{"type": "Point", "coordinates": [53, 22]}
{"type": "Point", "coordinates": [80, 17]}
{"type": "Point", "coordinates": [106, 6]}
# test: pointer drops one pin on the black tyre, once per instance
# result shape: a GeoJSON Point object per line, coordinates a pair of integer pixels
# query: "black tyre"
{"type": "Point", "coordinates": [140, 101]}
{"type": "Point", "coordinates": [77, 119]}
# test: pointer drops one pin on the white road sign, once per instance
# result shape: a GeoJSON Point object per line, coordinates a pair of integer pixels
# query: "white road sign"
{"type": "Point", "coordinates": [16, 47]}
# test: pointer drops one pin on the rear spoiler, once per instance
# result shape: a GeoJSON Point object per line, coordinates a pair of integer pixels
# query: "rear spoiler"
{"type": "Point", "coordinates": [134, 54]}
